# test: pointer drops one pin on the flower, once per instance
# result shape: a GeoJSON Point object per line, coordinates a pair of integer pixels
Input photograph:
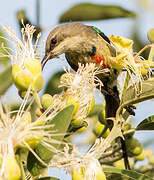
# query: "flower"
{"type": "Point", "coordinates": [80, 88]}
{"type": "Point", "coordinates": [26, 68]}
{"type": "Point", "coordinates": [125, 58]}
{"type": "Point", "coordinates": [86, 165]}
{"type": "Point", "coordinates": [18, 130]}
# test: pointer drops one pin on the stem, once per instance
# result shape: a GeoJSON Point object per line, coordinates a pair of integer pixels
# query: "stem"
{"type": "Point", "coordinates": [23, 176]}
{"type": "Point", "coordinates": [151, 54]}
{"type": "Point", "coordinates": [111, 161]}
{"type": "Point", "coordinates": [38, 12]}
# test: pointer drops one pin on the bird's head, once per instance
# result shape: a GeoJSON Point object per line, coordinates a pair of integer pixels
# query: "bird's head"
{"type": "Point", "coordinates": [66, 38]}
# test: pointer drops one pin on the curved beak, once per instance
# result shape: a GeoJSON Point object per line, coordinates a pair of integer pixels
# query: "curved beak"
{"type": "Point", "coordinates": [45, 59]}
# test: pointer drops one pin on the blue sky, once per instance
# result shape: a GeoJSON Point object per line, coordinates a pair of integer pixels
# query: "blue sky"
{"type": "Point", "coordinates": [52, 9]}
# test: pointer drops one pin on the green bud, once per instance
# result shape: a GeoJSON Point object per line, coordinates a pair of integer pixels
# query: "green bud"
{"type": "Point", "coordinates": [134, 147]}
{"type": "Point", "coordinates": [34, 66]}
{"type": "Point", "coordinates": [12, 169]}
{"type": "Point", "coordinates": [128, 130]}
{"type": "Point", "coordinates": [77, 174]}
{"type": "Point", "coordinates": [77, 122]}
{"type": "Point", "coordinates": [29, 74]}
{"type": "Point", "coordinates": [38, 82]}
{"type": "Point", "coordinates": [151, 35]}
{"type": "Point", "coordinates": [91, 106]}
{"type": "Point", "coordinates": [101, 117]}
{"type": "Point", "coordinates": [140, 157]}
{"type": "Point", "coordinates": [46, 101]}
{"type": "Point", "coordinates": [106, 133]}
{"type": "Point", "coordinates": [98, 128]}
{"type": "Point", "coordinates": [71, 100]}
{"type": "Point", "coordinates": [22, 78]}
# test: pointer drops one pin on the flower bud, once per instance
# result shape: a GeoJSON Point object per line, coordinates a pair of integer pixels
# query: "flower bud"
{"type": "Point", "coordinates": [34, 66]}
{"type": "Point", "coordinates": [134, 147]}
{"type": "Point", "coordinates": [128, 130]}
{"type": "Point", "coordinates": [29, 73]}
{"type": "Point", "coordinates": [77, 122]}
{"type": "Point", "coordinates": [71, 100]}
{"type": "Point", "coordinates": [46, 101]}
{"type": "Point", "coordinates": [151, 35]}
{"type": "Point", "coordinates": [77, 174]}
{"type": "Point", "coordinates": [91, 106]}
{"type": "Point", "coordinates": [12, 169]}
{"type": "Point", "coordinates": [22, 77]}
{"type": "Point", "coordinates": [140, 157]}
{"type": "Point", "coordinates": [100, 128]}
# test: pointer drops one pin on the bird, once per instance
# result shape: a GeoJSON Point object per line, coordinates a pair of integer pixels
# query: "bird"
{"type": "Point", "coordinates": [87, 44]}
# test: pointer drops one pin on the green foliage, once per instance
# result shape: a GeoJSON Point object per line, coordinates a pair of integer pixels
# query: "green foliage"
{"type": "Point", "coordinates": [53, 83]}
{"type": "Point", "coordinates": [5, 80]}
{"type": "Point", "coordinates": [4, 49]}
{"type": "Point", "coordinates": [61, 123]}
{"type": "Point", "coordinates": [126, 173]}
{"type": "Point", "coordinates": [47, 178]}
{"type": "Point", "coordinates": [96, 123]}
{"type": "Point", "coordinates": [91, 12]}
{"type": "Point", "coordinates": [146, 124]}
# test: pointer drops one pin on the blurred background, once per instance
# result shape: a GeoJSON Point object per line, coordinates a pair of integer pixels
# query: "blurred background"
{"type": "Point", "coordinates": [133, 21]}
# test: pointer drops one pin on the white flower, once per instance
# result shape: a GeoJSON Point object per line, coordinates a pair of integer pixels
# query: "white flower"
{"type": "Point", "coordinates": [17, 130]}
{"type": "Point", "coordinates": [23, 50]}
{"type": "Point", "coordinates": [26, 67]}
{"type": "Point", "coordinates": [88, 161]}
{"type": "Point", "coordinates": [81, 85]}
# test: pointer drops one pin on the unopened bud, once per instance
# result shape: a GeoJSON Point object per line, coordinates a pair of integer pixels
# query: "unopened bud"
{"type": "Point", "coordinates": [46, 101]}
{"type": "Point", "coordinates": [91, 106]}
{"type": "Point", "coordinates": [140, 157]}
{"type": "Point", "coordinates": [134, 147]}
{"type": "Point", "coordinates": [77, 174]}
{"type": "Point", "coordinates": [71, 100]}
{"type": "Point", "coordinates": [12, 169]}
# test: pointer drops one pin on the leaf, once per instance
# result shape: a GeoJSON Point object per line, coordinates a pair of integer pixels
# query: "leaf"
{"type": "Point", "coordinates": [47, 178]}
{"type": "Point", "coordinates": [90, 12]}
{"type": "Point", "coordinates": [5, 80]}
{"type": "Point", "coordinates": [61, 123]}
{"type": "Point", "coordinates": [146, 124]}
{"type": "Point", "coordinates": [146, 93]}
{"type": "Point", "coordinates": [127, 173]}
{"type": "Point", "coordinates": [3, 51]}
{"type": "Point", "coordinates": [52, 85]}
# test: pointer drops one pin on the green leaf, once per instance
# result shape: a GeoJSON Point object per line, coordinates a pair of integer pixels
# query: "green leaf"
{"type": "Point", "coordinates": [47, 178]}
{"type": "Point", "coordinates": [147, 92]}
{"type": "Point", "coordinates": [61, 123]}
{"type": "Point", "coordinates": [53, 83]}
{"type": "Point", "coordinates": [146, 124]}
{"type": "Point", "coordinates": [127, 173]}
{"type": "Point", "coordinates": [5, 80]}
{"type": "Point", "coordinates": [3, 42]}
{"type": "Point", "coordinates": [91, 12]}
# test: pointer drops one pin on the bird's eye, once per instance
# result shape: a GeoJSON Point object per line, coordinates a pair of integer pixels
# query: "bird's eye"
{"type": "Point", "coordinates": [53, 41]}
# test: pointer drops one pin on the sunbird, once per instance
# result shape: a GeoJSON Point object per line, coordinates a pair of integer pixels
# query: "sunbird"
{"type": "Point", "coordinates": [87, 44]}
